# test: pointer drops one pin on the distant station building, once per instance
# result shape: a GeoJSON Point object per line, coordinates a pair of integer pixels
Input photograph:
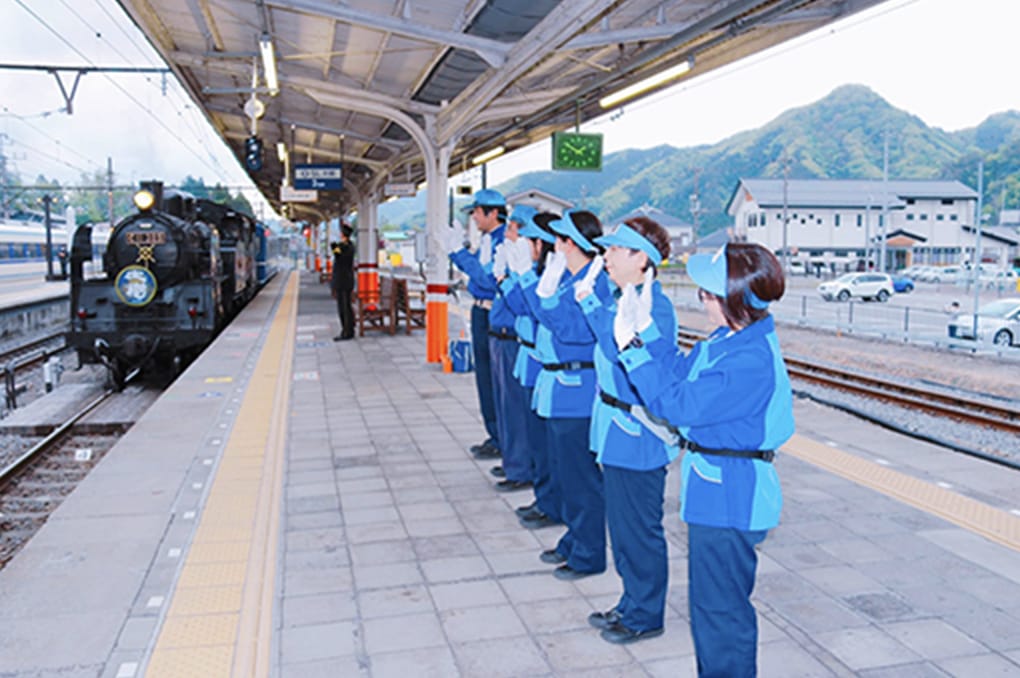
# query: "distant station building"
{"type": "Point", "coordinates": [681, 233]}
{"type": "Point", "coordinates": [839, 225]}
{"type": "Point", "coordinates": [540, 200]}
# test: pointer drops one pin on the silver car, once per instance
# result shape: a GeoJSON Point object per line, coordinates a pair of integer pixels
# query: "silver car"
{"type": "Point", "coordinates": [867, 286]}
{"type": "Point", "coordinates": [997, 321]}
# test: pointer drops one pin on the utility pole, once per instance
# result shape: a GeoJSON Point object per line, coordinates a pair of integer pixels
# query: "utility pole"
{"type": "Point", "coordinates": [695, 200]}
{"type": "Point", "coordinates": [47, 199]}
{"type": "Point", "coordinates": [786, 219]}
{"type": "Point", "coordinates": [867, 236]}
{"type": "Point", "coordinates": [109, 189]}
{"type": "Point", "coordinates": [977, 244]}
{"type": "Point", "coordinates": [4, 209]}
{"type": "Point", "coordinates": [885, 199]}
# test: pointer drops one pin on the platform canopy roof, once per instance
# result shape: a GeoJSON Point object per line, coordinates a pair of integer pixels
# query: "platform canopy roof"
{"type": "Point", "coordinates": [387, 76]}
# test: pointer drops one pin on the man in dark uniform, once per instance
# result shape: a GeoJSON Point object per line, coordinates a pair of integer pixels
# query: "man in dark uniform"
{"type": "Point", "coordinates": [343, 282]}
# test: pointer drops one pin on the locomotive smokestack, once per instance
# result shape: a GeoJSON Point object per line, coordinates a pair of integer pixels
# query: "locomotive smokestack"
{"type": "Point", "coordinates": [156, 189]}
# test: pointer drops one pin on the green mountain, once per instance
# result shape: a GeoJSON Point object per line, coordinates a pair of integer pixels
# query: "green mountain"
{"type": "Point", "coordinates": [839, 137]}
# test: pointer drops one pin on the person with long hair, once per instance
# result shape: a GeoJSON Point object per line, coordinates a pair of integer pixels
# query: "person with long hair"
{"type": "Point", "coordinates": [730, 404]}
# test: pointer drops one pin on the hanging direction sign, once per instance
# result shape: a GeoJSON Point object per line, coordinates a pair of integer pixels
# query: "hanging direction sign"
{"type": "Point", "coordinates": [321, 177]}
{"type": "Point", "coordinates": [406, 190]}
{"type": "Point", "coordinates": [290, 194]}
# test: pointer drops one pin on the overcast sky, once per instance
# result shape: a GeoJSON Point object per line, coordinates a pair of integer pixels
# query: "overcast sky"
{"type": "Point", "coordinates": [948, 61]}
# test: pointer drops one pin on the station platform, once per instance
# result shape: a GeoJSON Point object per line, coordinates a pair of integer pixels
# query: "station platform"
{"type": "Point", "coordinates": [292, 506]}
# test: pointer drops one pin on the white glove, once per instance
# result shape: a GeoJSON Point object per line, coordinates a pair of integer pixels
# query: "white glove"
{"type": "Point", "coordinates": [499, 261]}
{"type": "Point", "coordinates": [451, 239]}
{"type": "Point", "coordinates": [625, 322]}
{"type": "Point", "coordinates": [585, 285]}
{"type": "Point", "coordinates": [518, 256]}
{"type": "Point", "coordinates": [643, 308]}
{"type": "Point", "coordinates": [555, 265]}
{"type": "Point", "coordinates": [485, 249]}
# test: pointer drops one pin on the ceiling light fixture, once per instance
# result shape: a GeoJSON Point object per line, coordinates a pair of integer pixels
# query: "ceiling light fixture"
{"type": "Point", "coordinates": [648, 83]}
{"type": "Point", "coordinates": [281, 151]}
{"type": "Point", "coordinates": [488, 155]}
{"type": "Point", "coordinates": [269, 63]}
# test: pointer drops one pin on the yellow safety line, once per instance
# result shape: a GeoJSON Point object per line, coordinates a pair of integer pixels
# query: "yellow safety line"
{"type": "Point", "coordinates": [219, 620]}
{"type": "Point", "coordinates": [994, 524]}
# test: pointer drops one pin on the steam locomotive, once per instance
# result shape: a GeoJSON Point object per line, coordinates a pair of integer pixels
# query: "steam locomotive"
{"type": "Point", "coordinates": [173, 275]}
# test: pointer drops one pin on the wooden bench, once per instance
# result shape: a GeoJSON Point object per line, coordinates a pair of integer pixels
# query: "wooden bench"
{"type": "Point", "coordinates": [377, 308]}
{"type": "Point", "coordinates": [410, 303]}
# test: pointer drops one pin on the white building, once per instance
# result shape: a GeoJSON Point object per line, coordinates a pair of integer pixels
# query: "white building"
{"type": "Point", "coordinates": [681, 233]}
{"type": "Point", "coordinates": [839, 224]}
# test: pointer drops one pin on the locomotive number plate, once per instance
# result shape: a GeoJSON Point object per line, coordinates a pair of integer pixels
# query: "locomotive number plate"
{"type": "Point", "coordinates": [142, 239]}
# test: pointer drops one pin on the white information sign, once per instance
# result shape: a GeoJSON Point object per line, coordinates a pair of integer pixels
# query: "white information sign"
{"type": "Point", "coordinates": [291, 194]}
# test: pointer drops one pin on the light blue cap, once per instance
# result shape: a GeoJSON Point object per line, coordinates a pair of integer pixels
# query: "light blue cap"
{"type": "Point", "coordinates": [708, 271]}
{"type": "Point", "coordinates": [523, 214]}
{"type": "Point", "coordinates": [487, 197]}
{"type": "Point", "coordinates": [565, 227]}
{"type": "Point", "coordinates": [625, 236]}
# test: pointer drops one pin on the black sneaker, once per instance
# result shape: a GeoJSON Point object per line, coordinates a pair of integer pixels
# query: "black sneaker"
{"type": "Point", "coordinates": [619, 634]}
{"type": "Point", "coordinates": [487, 452]}
{"type": "Point", "coordinates": [604, 620]}
{"type": "Point", "coordinates": [488, 442]}
{"type": "Point", "coordinates": [522, 511]}
{"type": "Point", "coordinates": [512, 485]}
{"type": "Point", "coordinates": [498, 471]}
{"type": "Point", "coordinates": [567, 573]}
{"type": "Point", "coordinates": [537, 523]}
{"type": "Point", "coordinates": [552, 557]}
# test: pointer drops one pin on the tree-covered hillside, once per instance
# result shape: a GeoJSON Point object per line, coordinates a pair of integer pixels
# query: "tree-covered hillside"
{"type": "Point", "coordinates": [839, 137]}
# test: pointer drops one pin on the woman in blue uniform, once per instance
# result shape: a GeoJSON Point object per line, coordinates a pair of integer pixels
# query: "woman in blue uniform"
{"type": "Point", "coordinates": [565, 390]}
{"type": "Point", "coordinates": [633, 450]}
{"type": "Point", "coordinates": [527, 256]}
{"type": "Point", "coordinates": [731, 402]}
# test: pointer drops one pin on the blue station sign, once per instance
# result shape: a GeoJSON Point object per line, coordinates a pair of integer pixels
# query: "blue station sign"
{"type": "Point", "coordinates": [321, 177]}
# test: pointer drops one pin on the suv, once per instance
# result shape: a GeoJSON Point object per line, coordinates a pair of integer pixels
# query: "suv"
{"type": "Point", "coordinates": [997, 321]}
{"type": "Point", "coordinates": [878, 286]}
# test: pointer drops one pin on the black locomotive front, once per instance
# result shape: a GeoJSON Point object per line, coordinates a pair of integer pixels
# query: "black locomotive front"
{"type": "Point", "coordinates": [159, 301]}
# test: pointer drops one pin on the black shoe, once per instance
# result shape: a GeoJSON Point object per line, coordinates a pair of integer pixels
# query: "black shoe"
{"type": "Point", "coordinates": [522, 511]}
{"type": "Point", "coordinates": [534, 513]}
{"type": "Point", "coordinates": [604, 620]}
{"type": "Point", "coordinates": [487, 451]}
{"type": "Point", "coordinates": [621, 635]}
{"type": "Point", "coordinates": [539, 523]}
{"type": "Point", "coordinates": [498, 471]}
{"type": "Point", "coordinates": [552, 557]}
{"type": "Point", "coordinates": [338, 337]}
{"type": "Point", "coordinates": [567, 573]}
{"type": "Point", "coordinates": [512, 485]}
{"type": "Point", "coordinates": [345, 337]}
{"type": "Point", "coordinates": [488, 442]}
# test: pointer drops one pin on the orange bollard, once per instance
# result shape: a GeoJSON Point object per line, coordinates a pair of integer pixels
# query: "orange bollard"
{"type": "Point", "coordinates": [437, 337]}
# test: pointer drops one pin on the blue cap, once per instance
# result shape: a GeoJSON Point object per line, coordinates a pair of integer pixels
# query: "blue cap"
{"type": "Point", "coordinates": [565, 227]}
{"type": "Point", "coordinates": [708, 271]}
{"type": "Point", "coordinates": [625, 236]}
{"type": "Point", "coordinates": [523, 214]}
{"type": "Point", "coordinates": [487, 197]}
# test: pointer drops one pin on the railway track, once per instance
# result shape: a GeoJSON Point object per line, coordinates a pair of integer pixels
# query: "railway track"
{"type": "Point", "coordinates": [961, 408]}
{"type": "Point", "coordinates": [35, 351]}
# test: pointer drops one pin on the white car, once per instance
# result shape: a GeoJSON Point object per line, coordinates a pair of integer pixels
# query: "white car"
{"type": "Point", "coordinates": [878, 286]}
{"type": "Point", "coordinates": [948, 274]}
{"type": "Point", "coordinates": [998, 322]}
{"type": "Point", "coordinates": [999, 279]}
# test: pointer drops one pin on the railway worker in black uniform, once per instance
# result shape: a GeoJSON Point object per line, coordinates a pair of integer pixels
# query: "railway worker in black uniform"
{"type": "Point", "coordinates": [343, 282]}
{"type": "Point", "coordinates": [488, 209]}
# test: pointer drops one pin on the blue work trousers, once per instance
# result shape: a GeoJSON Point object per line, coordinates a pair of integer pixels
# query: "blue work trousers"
{"type": "Point", "coordinates": [583, 505]}
{"type": "Point", "coordinates": [511, 410]}
{"type": "Point", "coordinates": [483, 370]}
{"type": "Point", "coordinates": [547, 489]}
{"type": "Point", "coordinates": [721, 565]}
{"type": "Point", "coordinates": [634, 516]}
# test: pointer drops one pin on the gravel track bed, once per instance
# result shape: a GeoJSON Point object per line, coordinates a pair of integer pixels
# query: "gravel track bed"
{"type": "Point", "coordinates": [947, 371]}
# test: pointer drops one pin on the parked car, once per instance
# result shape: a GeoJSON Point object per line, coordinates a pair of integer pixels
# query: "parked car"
{"type": "Point", "coordinates": [878, 286]}
{"type": "Point", "coordinates": [997, 321]}
{"type": "Point", "coordinates": [999, 279]}
{"type": "Point", "coordinates": [947, 274]}
{"type": "Point", "coordinates": [796, 268]}
{"type": "Point", "coordinates": [902, 284]}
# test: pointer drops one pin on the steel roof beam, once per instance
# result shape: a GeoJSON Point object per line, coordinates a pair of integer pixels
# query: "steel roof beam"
{"type": "Point", "coordinates": [324, 129]}
{"type": "Point", "coordinates": [312, 84]}
{"type": "Point", "coordinates": [492, 51]}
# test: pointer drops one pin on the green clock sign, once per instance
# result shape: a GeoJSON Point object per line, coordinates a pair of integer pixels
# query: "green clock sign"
{"type": "Point", "coordinates": [575, 151]}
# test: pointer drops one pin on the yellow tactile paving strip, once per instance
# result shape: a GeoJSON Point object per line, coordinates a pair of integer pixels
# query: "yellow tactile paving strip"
{"type": "Point", "coordinates": [219, 619]}
{"type": "Point", "coordinates": [995, 524]}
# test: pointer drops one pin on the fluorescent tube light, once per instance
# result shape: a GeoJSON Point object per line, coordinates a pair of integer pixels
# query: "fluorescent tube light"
{"type": "Point", "coordinates": [269, 63]}
{"type": "Point", "coordinates": [488, 155]}
{"type": "Point", "coordinates": [281, 151]}
{"type": "Point", "coordinates": [648, 83]}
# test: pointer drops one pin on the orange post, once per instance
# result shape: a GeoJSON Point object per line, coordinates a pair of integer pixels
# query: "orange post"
{"type": "Point", "coordinates": [368, 281]}
{"type": "Point", "coordinates": [437, 338]}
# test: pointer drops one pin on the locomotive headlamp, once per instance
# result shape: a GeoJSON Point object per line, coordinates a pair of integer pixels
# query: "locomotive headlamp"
{"type": "Point", "coordinates": [144, 200]}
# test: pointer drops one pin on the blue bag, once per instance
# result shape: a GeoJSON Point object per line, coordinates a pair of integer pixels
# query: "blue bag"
{"type": "Point", "coordinates": [461, 355]}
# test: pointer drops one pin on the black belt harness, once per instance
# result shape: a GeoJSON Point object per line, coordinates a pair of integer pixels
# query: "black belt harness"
{"type": "Point", "coordinates": [572, 365]}
{"type": "Point", "coordinates": [503, 334]}
{"type": "Point", "coordinates": [525, 342]}
{"type": "Point", "coordinates": [685, 444]}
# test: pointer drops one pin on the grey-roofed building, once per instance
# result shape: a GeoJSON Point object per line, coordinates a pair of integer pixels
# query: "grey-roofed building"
{"type": "Point", "coordinates": [839, 224]}
{"type": "Point", "coordinates": [681, 233]}
{"type": "Point", "coordinates": [540, 200]}
{"type": "Point", "coordinates": [713, 241]}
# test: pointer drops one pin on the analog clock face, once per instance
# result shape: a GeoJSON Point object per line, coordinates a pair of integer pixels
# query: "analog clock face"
{"type": "Point", "coordinates": [577, 151]}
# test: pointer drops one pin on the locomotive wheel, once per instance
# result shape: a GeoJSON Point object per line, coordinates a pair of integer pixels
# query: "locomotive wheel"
{"type": "Point", "coordinates": [117, 374]}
